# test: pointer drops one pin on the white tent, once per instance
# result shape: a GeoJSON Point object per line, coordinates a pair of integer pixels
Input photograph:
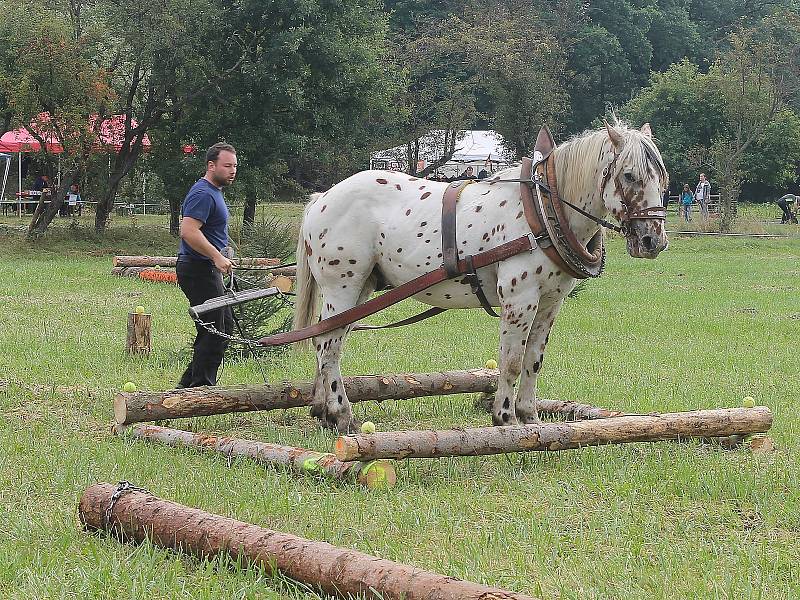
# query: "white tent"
{"type": "Point", "coordinates": [475, 148]}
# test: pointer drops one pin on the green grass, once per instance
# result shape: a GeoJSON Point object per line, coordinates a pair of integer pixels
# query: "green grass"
{"type": "Point", "coordinates": [710, 321]}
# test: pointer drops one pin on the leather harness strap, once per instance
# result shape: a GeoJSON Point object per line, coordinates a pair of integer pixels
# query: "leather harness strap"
{"type": "Point", "coordinates": [450, 245]}
{"type": "Point", "coordinates": [401, 292]}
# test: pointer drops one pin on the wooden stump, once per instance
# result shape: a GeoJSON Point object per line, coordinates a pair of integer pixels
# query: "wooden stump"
{"type": "Point", "coordinates": [378, 474]}
{"type": "Point", "coordinates": [554, 436]}
{"type": "Point", "coordinates": [202, 401]}
{"type": "Point", "coordinates": [138, 340]}
{"type": "Point", "coordinates": [138, 516]}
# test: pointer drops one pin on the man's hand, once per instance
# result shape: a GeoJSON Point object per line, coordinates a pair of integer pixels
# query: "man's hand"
{"type": "Point", "coordinates": [223, 264]}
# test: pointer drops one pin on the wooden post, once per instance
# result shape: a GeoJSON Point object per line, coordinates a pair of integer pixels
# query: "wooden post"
{"type": "Point", "coordinates": [200, 401]}
{"type": "Point", "coordinates": [554, 436]}
{"type": "Point", "coordinates": [139, 516]}
{"type": "Point", "coordinates": [138, 340]}
{"type": "Point", "coordinates": [378, 474]}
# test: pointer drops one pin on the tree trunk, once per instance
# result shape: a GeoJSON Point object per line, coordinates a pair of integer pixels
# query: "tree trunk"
{"type": "Point", "coordinates": [123, 163]}
{"type": "Point", "coordinates": [175, 214]}
{"type": "Point", "coordinates": [139, 516]}
{"type": "Point", "coordinates": [249, 214]}
{"type": "Point", "coordinates": [201, 401]}
{"type": "Point", "coordinates": [554, 436]}
{"type": "Point", "coordinates": [374, 475]}
{"type": "Point", "coordinates": [45, 213]}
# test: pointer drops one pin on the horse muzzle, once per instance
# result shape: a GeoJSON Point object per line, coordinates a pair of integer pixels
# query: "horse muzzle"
{"type": "Point", "coordinates": [646, 238]}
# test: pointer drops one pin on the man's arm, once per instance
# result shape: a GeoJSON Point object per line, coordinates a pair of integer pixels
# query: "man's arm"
{"type": "Point", "coordinates": [191, 234]}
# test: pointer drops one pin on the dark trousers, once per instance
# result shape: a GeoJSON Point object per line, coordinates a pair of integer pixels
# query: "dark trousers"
{"type": "Point", "coordinates": [787, 216]}
{"type": "Point", "coordinates": [200, 281]}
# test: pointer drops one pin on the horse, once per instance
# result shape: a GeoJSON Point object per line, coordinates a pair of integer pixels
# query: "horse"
{"type": "Point", "coordinates": [380, 227]}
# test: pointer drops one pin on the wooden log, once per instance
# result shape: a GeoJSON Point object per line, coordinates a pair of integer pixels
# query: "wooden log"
{"type": "Point", "coordinates": [138, 338]}
{"type": "Point", "coordinates": [200, 401]}
{"type": "Point", "coordinates": [170, 261]}
{"type": "Point", "coordinates": [278, 274]}
{"type": "Point", "coordinates": [554, 436]}
{"type": "Point", "coordinates": [569, 411]}
{"type": "Point", "coordinates": [138, 515]}
{"type": "Point", "coordinates": [377, 474]}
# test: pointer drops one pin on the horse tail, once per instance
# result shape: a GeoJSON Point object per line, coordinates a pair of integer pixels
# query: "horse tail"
{"type": "Point", "coordinates": [306, 300]}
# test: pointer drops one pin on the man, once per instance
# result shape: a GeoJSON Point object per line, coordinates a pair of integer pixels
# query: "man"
{"type": "Point", "coordinates": [785, 203]}
{"type": "Point", "coordinates": [468, 173]}
{"type": "Point", "coordinates": [201, 263]}
{"type": "Point", "coordinates": [702, 194]}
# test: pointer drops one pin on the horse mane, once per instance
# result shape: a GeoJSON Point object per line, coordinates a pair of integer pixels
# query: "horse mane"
{"type": "Point", "coordinates": [576, 158]}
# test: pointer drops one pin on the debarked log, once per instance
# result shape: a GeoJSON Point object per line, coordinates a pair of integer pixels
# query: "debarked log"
{"type": "Point", "coordinates": [138, 515]}
{"type": "Point", "coordinates": [290, 272]}
{"type": "Point", "coordinates": [377, 474]}
{"type": "Point", "coordinates": [139, 407]}
{"type": "Point", "coordinates": [555, 436]}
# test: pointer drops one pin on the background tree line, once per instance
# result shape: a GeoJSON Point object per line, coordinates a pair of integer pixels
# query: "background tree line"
{"type": "Point", "coordinates": [307, 89]}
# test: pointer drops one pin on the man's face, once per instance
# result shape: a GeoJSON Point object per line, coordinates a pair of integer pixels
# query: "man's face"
{"type": "Point", "coordinates": [223, 171]}
{"type": "Point", "coordinates": [702, 177]}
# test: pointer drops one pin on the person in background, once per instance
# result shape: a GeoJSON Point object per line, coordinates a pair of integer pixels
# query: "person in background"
{"type": "Point", "coordinates": [201, 262]}
{"type": "Point", "coordinates": [483, 174]}
{"type": "Point", "coordinates": [702, 194]}
{"type": "Point", "coordinates": [785, 203]}
{"type": "Point", "coordinates": [73, 198]}
{"type": "Point", "coordinates": [685, 202]}
{"type": "Point", "coordinates": [468, 173]}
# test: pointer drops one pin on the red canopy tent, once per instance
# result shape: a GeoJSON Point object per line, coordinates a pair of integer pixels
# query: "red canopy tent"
{"type": "Point", "coordinates": [110, 134]}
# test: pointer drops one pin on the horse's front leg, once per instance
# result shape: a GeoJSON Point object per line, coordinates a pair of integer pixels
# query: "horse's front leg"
{"type": "Point", "coordinates": [526, 404]}
{"type": "Point", "coordinates": [519, 310]}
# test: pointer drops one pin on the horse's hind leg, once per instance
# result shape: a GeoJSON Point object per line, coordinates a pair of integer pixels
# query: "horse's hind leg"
{"type": "Point", "coordinates": [330, 404]}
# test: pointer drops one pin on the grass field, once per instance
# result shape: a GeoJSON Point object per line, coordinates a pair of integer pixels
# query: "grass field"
{"type": "Point", "coordinates": [708, 322]}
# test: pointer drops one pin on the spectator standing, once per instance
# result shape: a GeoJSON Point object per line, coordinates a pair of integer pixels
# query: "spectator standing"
{"type": "Point", "coordinates": [73, 200]}
{"type": "Point", "coordinates": [201, 263]}
{"type": "Point", "coordinates": [685, 202]}
{"type": "Point", "coordinates": [702, 194]}
{"type": "Point", "coordinates": [468, 173]}
{"type": "Point", "coordinates": [789, 212]}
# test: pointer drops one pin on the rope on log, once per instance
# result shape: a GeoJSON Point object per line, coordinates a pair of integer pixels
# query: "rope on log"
{"type": "Point", "coordinates": [377, 474]}
{"type": "Point", "coordinates": [555, 436]}
{"type": "Point", "coordinates": [138, 515]}
{"type": "Point", "coordinates": [139, 407]}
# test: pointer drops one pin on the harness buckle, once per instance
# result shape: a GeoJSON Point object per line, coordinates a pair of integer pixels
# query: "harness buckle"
{"type": "Point", "coordinates": [532, 240]}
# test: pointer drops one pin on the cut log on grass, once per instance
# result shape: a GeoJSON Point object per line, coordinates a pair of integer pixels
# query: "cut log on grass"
{"type": "Point", "coordinates": [169, 261]}
{"type": "Point", "coordinates": [289, 272]}
{"type": "Point", "coordinates": [200, 401]}
{"type": "Point", "coordinates": [138, 515]}
{"type": "Point", "coordinates": [568, 411]}
{"type": "Point", "coordinates": [554, 436]}
{"type": "Point", "coordinates": [376, 474]}
{"type": "Point", "coordinates": [138, 338]}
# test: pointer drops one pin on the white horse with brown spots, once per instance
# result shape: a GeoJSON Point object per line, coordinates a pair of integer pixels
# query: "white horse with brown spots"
{"type": "Point", "coordinates": [385, 227]}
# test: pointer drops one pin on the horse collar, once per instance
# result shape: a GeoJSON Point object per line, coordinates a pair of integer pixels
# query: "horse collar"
{"type": "Point", "coordinates": [544, 211]}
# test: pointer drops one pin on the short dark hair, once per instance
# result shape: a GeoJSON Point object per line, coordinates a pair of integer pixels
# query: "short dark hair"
{"type": "Point", "coordinates": [212, 154]}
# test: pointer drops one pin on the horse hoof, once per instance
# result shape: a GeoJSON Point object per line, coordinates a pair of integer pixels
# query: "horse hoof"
{"type": "Point", "coordinates": [349, 426]}
{"type": "Point", "coordinates": [319, 412]}
{"type": "Point", "coordinates": [499, 421]}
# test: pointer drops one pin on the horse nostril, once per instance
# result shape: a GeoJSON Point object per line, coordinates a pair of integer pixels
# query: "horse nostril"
{"type": "Point", "coordinates": [649, 242]}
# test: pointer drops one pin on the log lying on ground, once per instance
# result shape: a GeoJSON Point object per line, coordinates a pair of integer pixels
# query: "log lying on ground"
{"type": "Point", "coordinates": [555, 436]}
{"type": "Point", "coordinates": [568, 411]}
{"type": "Point", "coordinates": [169, 261]}
{"type": "Point", "coordinates": [201, 401]}
{"type": "Point", "coordinates": [138, 515]}
{"type": "Point", "coordinates": [377, 474]}
{"type": "Point", "coordinates": [134, 271]}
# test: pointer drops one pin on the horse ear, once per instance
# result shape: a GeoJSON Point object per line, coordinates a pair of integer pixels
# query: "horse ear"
{"type": "Point", "coordinates": [646, 130]}
{"type": "Point", "coordinates": [615, 136]}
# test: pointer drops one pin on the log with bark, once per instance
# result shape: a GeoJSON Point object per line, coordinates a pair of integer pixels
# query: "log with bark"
{"type": "Point", "coordinates": [138, 339]}
{"type": "Point", "coordinates": [290, 272]}
{"type": "Point", "coordinates": [555, 436]}
{"type": "Point", "coordinates": [377, 474]}
{"type": "Point", "coordinates": [169, 261]}
{"type": "Point", "coordinates": [138, 516]}
{"type": "Point", "coordinates": [139, 407]}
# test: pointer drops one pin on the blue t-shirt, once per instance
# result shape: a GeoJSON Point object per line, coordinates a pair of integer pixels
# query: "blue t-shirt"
{"type": "Point", "coordinates": [205, 203]}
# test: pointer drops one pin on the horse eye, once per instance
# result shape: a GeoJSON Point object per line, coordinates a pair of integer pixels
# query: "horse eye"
{"type": "Point", "coordinates": [630, 178]}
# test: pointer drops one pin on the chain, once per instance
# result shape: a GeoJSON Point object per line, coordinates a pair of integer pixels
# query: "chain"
{"type": "Point", "coordinates": [123, 487]}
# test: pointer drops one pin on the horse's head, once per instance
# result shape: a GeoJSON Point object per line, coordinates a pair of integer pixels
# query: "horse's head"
{"type": "Point", "coordinates": [632, 187]}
